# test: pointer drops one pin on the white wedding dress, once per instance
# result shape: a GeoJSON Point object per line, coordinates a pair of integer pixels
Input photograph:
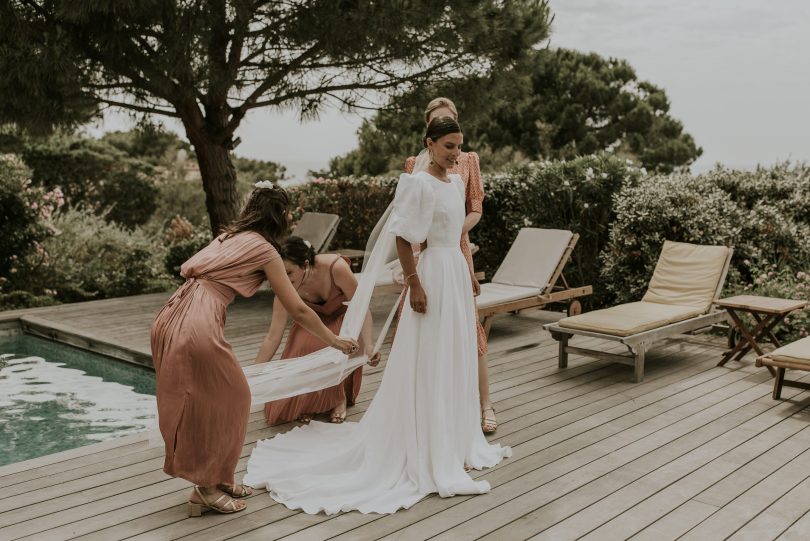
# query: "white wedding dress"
{"type": "Point", "coordinates": [423, 425]}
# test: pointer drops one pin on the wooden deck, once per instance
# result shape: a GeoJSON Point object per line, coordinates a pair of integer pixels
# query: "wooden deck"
{"type": "Point", "coordinates": [695, 452]}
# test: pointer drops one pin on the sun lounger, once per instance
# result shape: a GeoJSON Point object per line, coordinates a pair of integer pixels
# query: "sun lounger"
{"type": "Point", "coordinates": [686, 281]}
{"type": "Point", "coordinates": [318, 228]}
{"type": "Point", "coordinates": [531, 276]}
{"type": "Point", "coordinates": [793, 356]}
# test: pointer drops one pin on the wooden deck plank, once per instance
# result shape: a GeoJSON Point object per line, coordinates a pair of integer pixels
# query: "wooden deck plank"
{"type": "Point", "coordinates": [513, 468]}
{"type": "Point", "coordinates": [798, 530]}
{"type": "Point", "coordinates": [694, 446]}
{"type": "Point", "coordinates": [779, 516]}
{"type": "Point", "coordinates": [734, 516]}
{"type": "Point", "coordinates": [572, 466]}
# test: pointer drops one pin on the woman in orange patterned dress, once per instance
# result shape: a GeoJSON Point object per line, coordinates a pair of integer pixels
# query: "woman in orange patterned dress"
{"type": "Point", "coordinates": [203, 398]}
{"type": "Point", "coordinates": [325, 282]}
{"type": "Point", "coordinates": [468, 167]}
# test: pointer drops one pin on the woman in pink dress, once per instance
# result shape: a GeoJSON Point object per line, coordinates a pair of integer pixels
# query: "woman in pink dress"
{"type": "Point", "coordinates": [203, 397]}
{"type": "Point", "coordinates": [325, 283]}
{"type": "Point", "coordinates": [469, 169]}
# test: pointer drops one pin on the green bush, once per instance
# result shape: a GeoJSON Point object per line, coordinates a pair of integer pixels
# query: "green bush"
{"type": "Point", "coordinates": [574, 195]}
{"type": "Point", "coordinates": [180, 251]}
{"type": "Point", "coordinates": [23, 299]}
{"type": "Point", "coordinates": [780, 281]}
{"type": "Point", "coordinates": [24, 211]}
{"type": "Point", "coordinates": [359, 201]}
{"type": "Point", "coordinates": [91, 258]}
{"type": "Point", "coordinates": [18, 217]}
{"type": "Point", "coordinates": [740, 209]}
{"type": "Point", "coordinates": [95, 174]}
{"type": "Point", "coordinates": [679, 208]}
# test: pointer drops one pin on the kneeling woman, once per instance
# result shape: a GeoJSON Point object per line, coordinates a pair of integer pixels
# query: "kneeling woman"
{"type": "Point", "coordinates": [325, 283]}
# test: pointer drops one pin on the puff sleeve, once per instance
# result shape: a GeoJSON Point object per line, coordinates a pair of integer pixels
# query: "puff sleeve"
{"type": "Point", "coordinates": [412, 214]}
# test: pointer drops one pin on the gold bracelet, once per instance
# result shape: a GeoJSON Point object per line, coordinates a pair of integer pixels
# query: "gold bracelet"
{"type": "Point", "coordinates": [407, 278]}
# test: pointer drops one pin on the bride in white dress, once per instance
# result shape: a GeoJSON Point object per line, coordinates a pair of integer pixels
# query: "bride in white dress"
{"type": "Point", "coordinates": [421, 432]}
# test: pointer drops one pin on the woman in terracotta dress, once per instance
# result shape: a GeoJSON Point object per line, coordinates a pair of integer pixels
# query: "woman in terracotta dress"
{"type": "Point", "coordinates": [203, 397]}
{"type": "Point", "coordinates": [325, 283]}
{"type": "Point", "coordinates": [469, 169]}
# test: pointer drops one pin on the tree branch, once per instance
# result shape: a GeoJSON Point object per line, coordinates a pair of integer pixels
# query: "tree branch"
{"type": "Point", "coordinates": [138, 108]}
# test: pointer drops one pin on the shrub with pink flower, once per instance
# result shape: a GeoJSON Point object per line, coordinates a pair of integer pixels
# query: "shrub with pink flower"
{"type": "Point", "coordinates": [25, 212]}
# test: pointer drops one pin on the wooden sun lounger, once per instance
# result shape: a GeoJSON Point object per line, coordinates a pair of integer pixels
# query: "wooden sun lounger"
{"type": "Point", "coordinates": [318, 228]}
{"type": "Point", "coordinates": [677, 311]}
{"type": "Point", "coordinates": [793, 356]}
{"type": "Point", "coordinates": [531, 276]}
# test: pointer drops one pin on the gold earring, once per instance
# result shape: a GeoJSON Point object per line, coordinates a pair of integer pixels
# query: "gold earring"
{"type": "Point", "coordinates": [431, 157]}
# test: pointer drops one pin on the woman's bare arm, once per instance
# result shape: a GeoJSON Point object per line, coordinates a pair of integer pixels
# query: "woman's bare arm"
{"type": "Point", "coordinates": [274, 335]}
{"type": "Point", "coordinates": [299, 311]}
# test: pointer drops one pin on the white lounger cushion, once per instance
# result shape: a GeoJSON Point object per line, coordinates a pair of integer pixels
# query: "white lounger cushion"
{"type": "Point", "coordinates": [795, 352]}
{"type": "Point", "coordinates": [533, 257]}
{"type": "Point", "coordinates": [492, 294]}
{"type": "Point", "coordinates": [687, 275]}
{"type": "Point", "coordinates": [630, 318]}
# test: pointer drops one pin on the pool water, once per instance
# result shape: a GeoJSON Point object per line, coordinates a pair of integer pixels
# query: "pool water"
{"type": "Point", "coordinates": [54, 397]}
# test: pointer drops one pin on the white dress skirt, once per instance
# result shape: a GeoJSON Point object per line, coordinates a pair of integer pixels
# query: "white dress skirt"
{"type": "Point", "coordinates": [423, 425]}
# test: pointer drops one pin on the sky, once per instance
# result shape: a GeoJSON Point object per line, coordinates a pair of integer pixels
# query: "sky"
{"type": "Point", "coordinates": [737, 74]}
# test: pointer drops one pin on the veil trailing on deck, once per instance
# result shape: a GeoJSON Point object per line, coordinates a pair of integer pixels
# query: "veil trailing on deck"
{"type": "Point", "coordinates": [328, 367]}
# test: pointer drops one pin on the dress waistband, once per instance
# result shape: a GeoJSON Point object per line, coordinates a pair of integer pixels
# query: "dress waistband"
{"type": "Point", "coordinates": [191, 284]}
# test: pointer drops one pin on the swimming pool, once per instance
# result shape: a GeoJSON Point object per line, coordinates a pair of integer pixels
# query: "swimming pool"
{"type": "Point", "coordinates": [54, 397]}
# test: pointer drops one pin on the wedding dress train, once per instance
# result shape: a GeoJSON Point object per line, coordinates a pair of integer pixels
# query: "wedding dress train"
{"type": "Point", "coordinates": [423, 425]}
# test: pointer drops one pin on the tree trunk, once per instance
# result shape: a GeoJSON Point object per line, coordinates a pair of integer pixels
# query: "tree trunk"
{"type": "Point", "coordinates": [219, 182]}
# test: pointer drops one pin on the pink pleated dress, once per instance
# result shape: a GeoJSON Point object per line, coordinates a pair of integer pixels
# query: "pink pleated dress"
{"type": "Point", "coordinates": [301, 342]}
{"type": "Point", "coordinates": [203, 397]}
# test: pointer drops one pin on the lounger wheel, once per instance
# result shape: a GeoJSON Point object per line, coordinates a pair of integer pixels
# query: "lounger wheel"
{"type": "Point", "coordinates": [733, 336]}
{"type": "Point", "coordinates": [574, 308]}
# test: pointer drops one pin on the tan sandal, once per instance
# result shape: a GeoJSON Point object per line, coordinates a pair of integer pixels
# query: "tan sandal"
{"type": "Point", "coordinates": [488, 422]}
{"type": "Point", "coordinates": [237, 491]}
{"type": "Point", "coordinates": [197, 509]}
{"type": "Point", "coordinates": [338, 417]}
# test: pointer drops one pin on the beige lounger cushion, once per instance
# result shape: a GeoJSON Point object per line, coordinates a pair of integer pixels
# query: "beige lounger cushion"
{"type": "Point", "coordinates": [493, 294]}
{"type": "Point", "coordinates": [795, 352]}
{"type": "Point", "coordinates": [630, 318]}
{"type": "Point", "coordinates": [533, 257]}
{"type": "Point", "coordinates": [687, 275]}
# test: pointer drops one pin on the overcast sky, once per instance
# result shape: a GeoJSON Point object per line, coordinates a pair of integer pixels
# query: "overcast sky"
{"type": "Point", "coordinates": [737, 73]}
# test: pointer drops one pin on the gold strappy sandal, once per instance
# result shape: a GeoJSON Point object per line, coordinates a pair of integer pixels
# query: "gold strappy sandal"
{"type": "Point", "coordinates": [197, 509]}
{"type": "Point", "coordinates": [237, 491]}
{"type": "Point", "coordinates": [488, 422]}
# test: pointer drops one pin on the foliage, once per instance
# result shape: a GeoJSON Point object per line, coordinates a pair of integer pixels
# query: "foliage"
{"type": "Point", "coordinates": [179, 251]}
{"type": "Point", "coordinates": [92, 258]}
{"type": "Point", "coordinates": [24, 210]}
{"type": "Point", "coordinates": [573, 195]}
{"type": "Point", "coordinates": [248, 172]}
{"type": "Point", "coordinates": [18, 299]}
{"type": "Point", "coordinates": [783, 282]}
{"type": "Point", "coordinates": [209, 63]}
{"type": "Point", "coordinates": [678, 208]}
{"type": "Point", "coordinates": [148, 142]}
{"type": "Point", "coordinates": [750, 211]}
{"type": "Point", "coordinates": [554, 104]}
{"type": "Point", "coordinates": [96, 175]}
{"type": "Point", "coordinates": [359, 201]}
